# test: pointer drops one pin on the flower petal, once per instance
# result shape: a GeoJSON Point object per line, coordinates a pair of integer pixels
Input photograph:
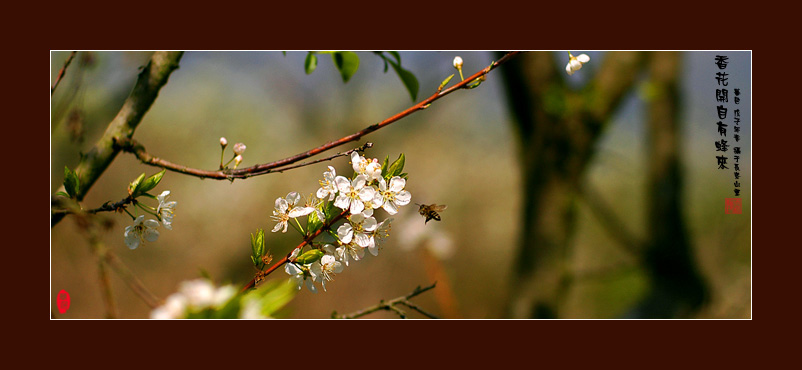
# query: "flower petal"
{"type": "Point", "coordinates": [342, 201]}
{"type": "Point", "coordinates": [390, 208]}
{"type": "Point", "coordinates": [343, 185]}
{"type": "Point", "coordinates": [397, 184]}
{"type": "Point", "coordinates": [583, 58]}
{"type": "Point", "coordinates": [345, 232]}
{"type": "Point", "coordinates": [356, 206]}
{"type": "Point", "coordinates": [403, 198]}
{"type": "Point", "coordinates": [367, 194]}
{"type": "Point", "coordinates": [293, 197]}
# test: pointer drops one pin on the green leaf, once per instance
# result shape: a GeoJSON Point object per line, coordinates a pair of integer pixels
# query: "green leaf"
{"type": "Point", "coordinates": [313, 223]}
{"type": "Point", "coordinates": [445, 82]}
{"type": "Point", "coordinates": [385, 163]}
{"type": "Point", "coordinates": [396, 168]}
{"type": "Point", "coordinates": [409, 80]}
{"type": "Point", "coordinates": [347, 62]}
{"type": "Point", "coordinates": [63, 194]}
{"type": "Point", "coordinates": [258, 248]}
{"type": "Point", "coordinates": [71, 183]}
{"type": "Point", "coordinates": [132, 187]}
{"type": "Point", "coordinates": [396, 56]}
{"type": "Point", "coordinates": [310, 256]}
{"type": "Point", "coordinates": [310, 63]}
{"type": "Point", "coordinates": [149, 183]}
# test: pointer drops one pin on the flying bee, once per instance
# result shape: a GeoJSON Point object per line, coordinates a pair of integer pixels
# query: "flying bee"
{"type": "Point", "coordinates": [430, 211]}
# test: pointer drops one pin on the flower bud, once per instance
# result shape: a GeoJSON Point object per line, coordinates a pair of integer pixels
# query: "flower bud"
{"type": "Point", "coordinates": [223, 142]}
{"type": "Point", "coordinates": [457, 62]}
{"type": "Point", "coordinates": [237, 160]}
{"type": "Point", "coordinates": [239, 148]}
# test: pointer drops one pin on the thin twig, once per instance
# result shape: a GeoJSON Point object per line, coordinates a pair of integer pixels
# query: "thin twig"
{"type": "Point", "coordinates": [276, 166]}
{"type": "Point", "coordinates": [61, 72]}
{"type": "Point", "coordinates": [391, 306]}
{"type": "Point", "coordinates": [131, 280]}
{"type": "Point", "coordinates": [105, 287]}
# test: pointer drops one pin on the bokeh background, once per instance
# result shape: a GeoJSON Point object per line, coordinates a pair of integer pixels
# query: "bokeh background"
{"type": "Point", "coordinates": [462, 152]}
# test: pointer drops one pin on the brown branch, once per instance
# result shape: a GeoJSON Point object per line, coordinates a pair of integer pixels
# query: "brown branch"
{"type": "Point", "coordinates": [285, 259]}
{"type": "Point", "coordinates": [148, 84]}
{"type": "Point", "coordinates": [391, 306]}
{"type": "Point", "coordinates": [276, 166]}
{"type": "Point", "coordinates": [61, 72]}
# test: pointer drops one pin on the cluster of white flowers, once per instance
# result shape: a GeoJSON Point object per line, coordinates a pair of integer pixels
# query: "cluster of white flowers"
{"type": "Point", "coordinates": [147, 230]}
{"type": "Point", "coordinates": [196, 296]}
{"type": "Point", "coordinates": [360, 196]}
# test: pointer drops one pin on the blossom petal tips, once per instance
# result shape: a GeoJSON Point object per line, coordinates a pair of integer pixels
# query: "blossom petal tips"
{"type": "Point", "coordinates": [583, 58]}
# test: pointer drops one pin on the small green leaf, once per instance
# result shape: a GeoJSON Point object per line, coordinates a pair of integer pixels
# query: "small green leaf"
{"type": "Point", "coordinates": [396, 56]}
{"type": "Point", "coordinates": [396, 168]}
{"type": "Point", "coordinates": [63, 194]}
{"type": "Point", "coordinates": [445, 82]}
{"type": "Point", "coordinates": [149, 183]}
{"type": "Point", "coordinates": [310, 256]}
{"type": "Point", "coordinates": [71, 182]}
{"type": "Point", "coordinates": [310, 63]}
{"type": "Point", "coordinates": [132, 187]}
{"type": "Point", "coordinates": [347, 62]}
{"type": "Point", "coordinates": [409, 80]}
{"type": "Point", "coordinates": [385, 163]}
{"type": "Point", "coordinates": [258, 248]}
{"type": "Point", "coordinates": [313, 223]}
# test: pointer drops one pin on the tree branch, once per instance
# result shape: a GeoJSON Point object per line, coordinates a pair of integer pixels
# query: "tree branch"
{"type": "Point", "coordinates": [62, 71]}
{"type": "Point", "coordinates": [391, 306]}
{"type": "Point", "coordinates": [144, 93]}
{"type": "Point", "coordinates": [276, 166]}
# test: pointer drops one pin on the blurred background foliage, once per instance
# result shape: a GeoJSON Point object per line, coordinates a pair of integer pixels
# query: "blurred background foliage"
{"type": "Point", "coordinates": [462, 152]}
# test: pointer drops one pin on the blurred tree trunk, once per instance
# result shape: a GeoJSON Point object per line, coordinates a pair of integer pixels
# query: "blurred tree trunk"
{"type": "Point", "coordinates": [677, 287]}
{"type": "Point", "coordinates": [557, 129]}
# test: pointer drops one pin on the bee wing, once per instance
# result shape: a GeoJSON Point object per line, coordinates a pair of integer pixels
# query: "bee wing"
{"type": "Point", "coordinates": [439, 208]}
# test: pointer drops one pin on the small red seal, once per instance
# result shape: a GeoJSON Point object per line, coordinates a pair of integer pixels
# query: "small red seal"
{"type": "Point", "coordinates": [63, 301]}
{"type": "Point", "coordinates": [732, 206]}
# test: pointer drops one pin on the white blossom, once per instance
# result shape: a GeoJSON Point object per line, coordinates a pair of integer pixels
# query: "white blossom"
{"type": "Point", "coordinates": [140, 232]}
{"type": "Point", "coordinates": [392, 197]}
{"type": "Point", "coordinates": [457, 62]}
{"type": "Point", "coordinates": [371, 169]}
{"type": "Point", "coordinates": [327, 186]}
{"type": "Point", "coordinates": [358, 228]}
{"type": "Point", "coordinates": [166, 210]}
{"type": "Point", "coordinates": [286, 209]}
{"type": "Point", "coordinates": [350, 250]}
{"type": "Point", "coordinates": [174, 307]}
{"type": "Point", "coordinates": [194, 296]}
{"type": "Point", "coordinates": [353, 194]}
{"type": "Point", "coordinates": [239, 148]}
{"type": "Point", "coordinates": [223, 142]}
{"type": "Point", "coordinates": [575, 63]}
{"type": "Point", "coordinates": [325, 269]}
{"type": "Point", "coordinates": [298, 277]}
{"type": "Point", "coordinates": [378, 235]}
